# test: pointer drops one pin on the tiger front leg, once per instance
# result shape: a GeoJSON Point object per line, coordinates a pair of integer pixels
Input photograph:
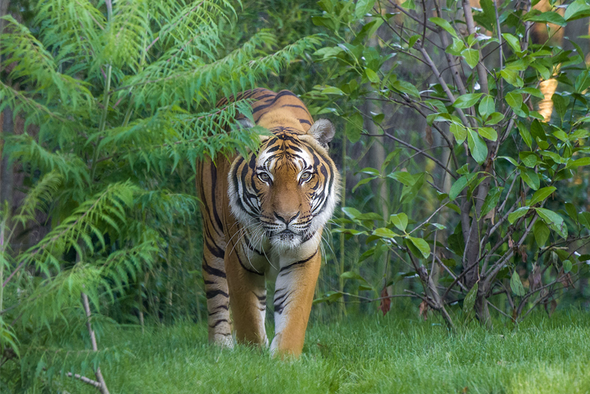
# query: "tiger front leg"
{"type": "Point", "coordinates": [295, 286]}
{"type": "Point", "coordinates": [248, 299]}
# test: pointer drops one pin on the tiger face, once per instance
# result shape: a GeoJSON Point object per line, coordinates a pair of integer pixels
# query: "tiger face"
{"type": "Point", "coordinates": [287, 190]}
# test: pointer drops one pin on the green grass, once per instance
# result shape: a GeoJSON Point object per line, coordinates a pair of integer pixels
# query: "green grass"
{"type": "Point", "coordinates": [371, 355]}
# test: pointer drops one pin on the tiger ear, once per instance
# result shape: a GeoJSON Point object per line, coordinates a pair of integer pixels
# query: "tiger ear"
{"type": "Point", "coordinates": [323, 131]}
{"type": "Point", "coordinates": [245, 123]}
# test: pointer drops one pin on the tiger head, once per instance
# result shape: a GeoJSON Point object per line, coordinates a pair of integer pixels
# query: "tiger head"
{"type": "Point", "coordinates": [287, 190]}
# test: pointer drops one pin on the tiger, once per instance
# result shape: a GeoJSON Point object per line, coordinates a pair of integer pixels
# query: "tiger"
{"type": "Point", "coordinates": [263, 217]}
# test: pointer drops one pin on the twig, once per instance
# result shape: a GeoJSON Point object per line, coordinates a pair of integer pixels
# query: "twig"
{"type": "Point", "coordinates": [442, 82]}
{"type": "Point", "coordinates": [422, 152]}
{"type": "Point", "coordinates": [481, 70]}
{"type": "Point", "coordinates": [84, 379]}
{"type": "Point", "coordinates": [498, 309]}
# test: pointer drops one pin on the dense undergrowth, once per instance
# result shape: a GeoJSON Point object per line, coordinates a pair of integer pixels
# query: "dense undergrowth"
{"type": "Point", "coordinates": [396, 354]}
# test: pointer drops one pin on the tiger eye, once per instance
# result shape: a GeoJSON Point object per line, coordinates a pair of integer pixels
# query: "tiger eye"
{"type": "Point", "coordinates": [264, 177]}
{"type": "Point", "coordinates": [306, 176]}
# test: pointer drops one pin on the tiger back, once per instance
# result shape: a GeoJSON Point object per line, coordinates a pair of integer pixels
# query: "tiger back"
{"type": "Point", "coordinates": [263, 217]}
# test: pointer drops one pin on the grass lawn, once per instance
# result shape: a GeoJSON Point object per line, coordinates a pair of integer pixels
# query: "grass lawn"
{"type": "Point", "coordinates": [371, 355]}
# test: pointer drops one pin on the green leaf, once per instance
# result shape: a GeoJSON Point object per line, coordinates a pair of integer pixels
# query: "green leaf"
{"type": "Point", "coordinates": [560, 104]}
{"type": "Point", "coordinates": [512, 77]}
{"type": "Point", "coordinates": [509, 159]}
{"type": "Point", "coordinates": [362, 182]}
{"type": "Point", "coordinates": [541, 232]}
{"type": "Point", "coordinates": [514, 100]}
{"type": "Point", "coordinates": [459, 132]}
{"type": "Point", "coordinates": [553, 220]}
{"type": "Point", "coordinates": [354, 127]}
{"type": "Point", "coordinates": [403, 177]}
{"type": "Point", "coordinates": [333, 90]}
{"type": "Point", "coordinates": [384, 232]}
{"type": "Point", "coordinates": [537, 130]}
{"type": "Point", "coordinates": [544, 71]}
{"type": "Point", "coordinates": [470, 298]}
{"type": "Point", "coordinates": [372, 75]}
{"type": "Point", "coordinates": [351, 212]}
{"type": "Point", "coordinates": [531, 178]}
{"type": "Point", "coordinates": [546, 17]}
{"type": "Point", "coordinates": [422, 246]}
{"type": "Point", "coordinates": [571, 211]}
{"type": "Point", "coordinates": [494, 118]}
{"type": "Point", "coordinates": [412, 41]}
{"type": "Point", "coordinates": [363, 7]}
{"type": "Point", "coordinates": [567, 266]}
{"type": "Point", "coordinates": [406, 87]}
{"type": "Point", "coordinates": [409, 4]}
{"type": "Point", "coordinates": [582, 81]}
{"type": "Point", "coordinates": [576, 10]}
{"type": "Point", "coordinates": [491, 200]}
{"type": "Point", "coordinates": [516, 285]}
{"type": "Point", "coordinates": [477, 147]}
{"type": "Point", "coordinates": [352, 275]}
{"type": "Point", "coordinates": [444, 24]}
{"type": "Point", "coordinates": [525, 134]}
{"type": "Point", "coordinates": [583, 161]}
{"type": "Point", "coordinates": [471, 56]}
{"type": "Point", "coordinates": [520, 212]}
{"type": "Point", "coordinates": [467, 100]}
{"type": "Point", "coordinates": [529, 159]}
{"type": "Point", "coordinates": [457, 187]}
{"type": "Point", "coordinates": [541, 195]}
{"type": "Point", "coordinates": [532, 91]}
{"type": "Point", "coordinates": [456, 47]}
{"type": "Point", "coordinates": [489, 133]}
{"type": "Point", "coordinates": [399, 220]}
{"type": "Point", "coordinates": [487, 106]}
{"type": "Point", "coordinates": [512, 41]}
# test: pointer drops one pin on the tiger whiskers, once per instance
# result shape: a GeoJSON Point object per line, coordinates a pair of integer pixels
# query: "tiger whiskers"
{"type": "Point", "coordinates": [261, 240]}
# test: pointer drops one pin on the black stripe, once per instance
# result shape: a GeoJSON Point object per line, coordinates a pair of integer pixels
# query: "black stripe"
{"type": "Point", "coordinates": [213, 183]}
{"type": "Point", "coordinates": [265, 96]}
{"type": "Point", "coordinates": [212, 271]}
{"type": "Point", "coordinates": [217, 310]}
{"type": "Point", "coordinates": [279, 302]}
{"type": "Point", "coordinates": [218, 322]}
{"type": "Point", "coordinates": [214, 249]}
{"type": "Point", "coordinates": [293, 106]}
{"type": "Point", "coordinates": [305, 121]}
{"type": "Point", "coordinates": [297, 263]}
{"type": "Point", "coordinates": [265, 106]}
{"type": "Point", "coordinates": [282, 296]}
{"type": "Point", "coordinates": [261, 298]}
{"type": "Point", "coordinates": [249, 270]}
{"type": "Point", "coordinates": [214, 293]}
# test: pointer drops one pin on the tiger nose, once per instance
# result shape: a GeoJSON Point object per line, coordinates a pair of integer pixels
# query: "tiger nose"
{"type": "Point", "coordinates": [286, 217]}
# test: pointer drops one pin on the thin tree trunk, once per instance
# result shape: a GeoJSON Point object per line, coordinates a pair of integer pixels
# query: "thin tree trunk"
{"type": "Point", "coordinates": [103, 386]}
{"type": "Point", "coordinates": [6, 174]}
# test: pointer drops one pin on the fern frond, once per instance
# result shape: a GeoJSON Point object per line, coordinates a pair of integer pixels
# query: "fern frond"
{"type": "Point", "coordinates": [192, 29]}
{"type": "Point", "coordinates": [35, 65]}
{"type": "Point", "coordinates": [25, 149]}
{"type": "Point", "coordinates": [72, 28]}
{"type": "Point", "coordinates": [118, 196]}
{"type": "Point", "coordinates": [226, 76]}
{"type": "Point", "coordinates": [127, 34]}
{"type": "Point", "coordinates": [39, 197]}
